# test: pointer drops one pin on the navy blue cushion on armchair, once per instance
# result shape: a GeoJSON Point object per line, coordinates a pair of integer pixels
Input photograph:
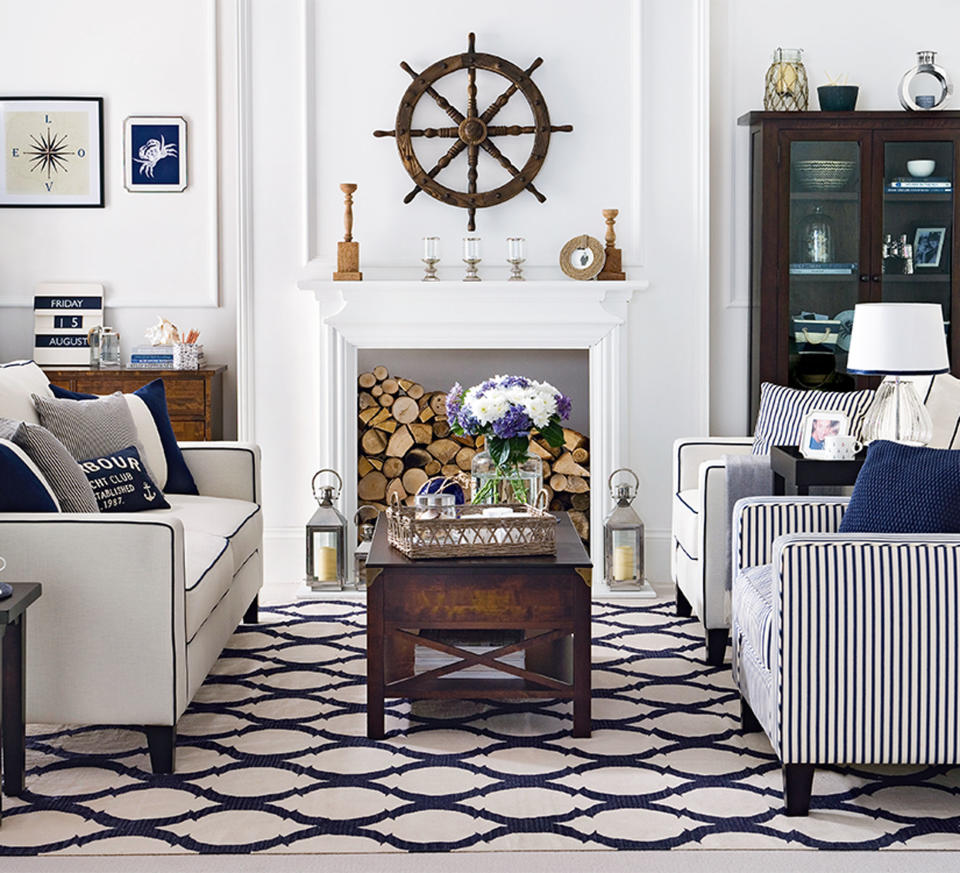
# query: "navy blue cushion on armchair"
{"type": "Point", "coordinates": [905, 489]}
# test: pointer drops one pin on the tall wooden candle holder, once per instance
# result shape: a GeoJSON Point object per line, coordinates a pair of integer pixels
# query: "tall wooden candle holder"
{"type": "Point", "coordinates": [613, 264]}
{"type": "Point", "coordinates": [348, 251]}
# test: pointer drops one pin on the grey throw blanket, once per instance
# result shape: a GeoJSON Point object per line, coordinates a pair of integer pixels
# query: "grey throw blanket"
{"type": "Point", "coordinates": [747, 476]}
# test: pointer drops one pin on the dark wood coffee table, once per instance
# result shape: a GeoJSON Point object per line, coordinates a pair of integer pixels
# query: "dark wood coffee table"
{"type": "Point", "coordinates": [546, 597]}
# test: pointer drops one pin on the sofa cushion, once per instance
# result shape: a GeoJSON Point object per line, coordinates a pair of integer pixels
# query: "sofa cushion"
{"type": "Point", "coordinates": [685, 521]}
{"type": "Point", "coordinates": [121, 483]}
{"type": "Point", "coordinates": [209, 572]}
{"type": "Point", "coordinates": [18, 380]}
{"type": "Point", "coordinates": [22, 486]}
{"type": "Point", "coordinates": [61, 472]}
{"type": "Point", "coordinates": [238, 521]}
{"type": "Point", "coordinates": [753, 597]}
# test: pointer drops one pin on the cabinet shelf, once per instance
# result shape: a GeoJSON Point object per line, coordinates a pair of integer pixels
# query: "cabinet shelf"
{"type": "Point", "coordinates": [917, 198]}
{"type": "Point", "coordinates": [915, 279]}
{"type": "Point", "coordinates": [822, 277]}
{"type": "Point", "coordinates": [849, 196]}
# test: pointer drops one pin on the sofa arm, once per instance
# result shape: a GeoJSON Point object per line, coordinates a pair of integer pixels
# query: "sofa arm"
{"type": "Point", "coordinates": [107, 638]}
{"type": "Point", "coordinates": [758, 521]}
{"type": "Point", "coordinates": [690, 452]}
{"type": "Point", "coordinates": [225, 469]}
{"type": "Point", "coordinates": [868, 638]}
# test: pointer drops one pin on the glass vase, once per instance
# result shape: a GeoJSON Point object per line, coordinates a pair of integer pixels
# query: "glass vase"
{"type": "Point", "coordinates": [514, 482]}
{"type": "Point", "coordinates": [785, 86]}
{"type": "Point", "coordinates": [817, 237]}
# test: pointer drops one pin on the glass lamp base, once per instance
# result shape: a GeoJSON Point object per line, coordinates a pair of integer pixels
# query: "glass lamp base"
{"type": "Point", "coordinates": [898, 414]}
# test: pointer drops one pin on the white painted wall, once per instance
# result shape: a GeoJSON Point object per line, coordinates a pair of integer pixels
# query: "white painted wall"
{"type": "Point", "coordinates": [873, 43]}
{"type": "Point", "coordinates": [154, 253]}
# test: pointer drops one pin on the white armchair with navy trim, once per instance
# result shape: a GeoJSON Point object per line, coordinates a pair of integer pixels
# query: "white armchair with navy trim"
{"type": "Point", "coordinates": [700, 535]}
{"type": "Point", "coordinates": [846, 647]}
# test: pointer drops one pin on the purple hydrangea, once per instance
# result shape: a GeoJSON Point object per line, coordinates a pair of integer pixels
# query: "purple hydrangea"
{"type": "Point", "coordinates": [454, 401]}
{"type": "Point", "coordinates": [563, 406]}
{"type": "Point", "coordinates": [512, 423]}
{"type": "Point", "coordinates": [483, 387]}
{"type": "Point", "coordinates": [469, 424]}
{"type": "Point", "coordinates": [516, 382]}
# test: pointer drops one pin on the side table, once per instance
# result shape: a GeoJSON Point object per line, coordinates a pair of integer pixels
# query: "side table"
{"type": "Point", "coordinates": [795, 474]}
{"type": "Point", "coordinates": [13, 630]}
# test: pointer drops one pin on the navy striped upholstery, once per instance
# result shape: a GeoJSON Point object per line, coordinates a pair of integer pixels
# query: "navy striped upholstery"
{"type": "Point", "coordinates": [863, 633]}
{"type": "Point", "coordinates": [782, 410]}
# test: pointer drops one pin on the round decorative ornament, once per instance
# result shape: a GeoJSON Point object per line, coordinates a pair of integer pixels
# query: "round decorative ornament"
{"type": "Point", "coordinates": [927, 73]}
{"type": "Point", "coordinates": [582, 257]}
{"type": "Point", "coordinates": [472, 131]}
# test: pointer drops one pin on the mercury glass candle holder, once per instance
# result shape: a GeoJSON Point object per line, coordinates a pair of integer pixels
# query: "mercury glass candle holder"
{"type": "Point", "coordinates": [471, 257]}
{"type": "Point", "coordinates": [431, 257]}
{"type": "Point", "coordinates": [515, 257]}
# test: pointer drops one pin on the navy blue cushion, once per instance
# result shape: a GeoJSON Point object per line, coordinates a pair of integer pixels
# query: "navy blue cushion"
{"type": "Point", "coordinates": [179, 477]}
{"type": "Point", "coordinates": [905, 489]}
{"type": "Point", "coordinates": [121, 484]}
{"type": "Point", "coordinates": [20, 489]}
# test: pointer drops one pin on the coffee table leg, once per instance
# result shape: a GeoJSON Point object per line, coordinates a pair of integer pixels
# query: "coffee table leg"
{"type": "Point", "coordinates": [375, 651]}
{"type": "Point", "coordinates": [14, 729]}
{"type": "Point", "coordinates": [581, 660]}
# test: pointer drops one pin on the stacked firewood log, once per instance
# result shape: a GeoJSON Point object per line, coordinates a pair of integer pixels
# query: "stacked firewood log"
{"type": "Point", "coordinates": [404, 439]}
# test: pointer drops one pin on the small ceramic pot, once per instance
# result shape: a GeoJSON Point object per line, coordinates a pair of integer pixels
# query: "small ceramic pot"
{"type": "Point", "coordinates": [838, 98]}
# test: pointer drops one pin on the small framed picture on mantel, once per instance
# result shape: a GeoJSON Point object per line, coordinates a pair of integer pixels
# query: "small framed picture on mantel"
{"type": "Point", "coordinates": [155, 153]}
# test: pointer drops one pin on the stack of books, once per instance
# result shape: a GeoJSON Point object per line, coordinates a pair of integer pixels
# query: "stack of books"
{"type": "Point", "coordinates": [816, 269]}
{"type": "Point", "coordinates": [927, 185]}
{"type": "Point", "coordinates": [152, 358]}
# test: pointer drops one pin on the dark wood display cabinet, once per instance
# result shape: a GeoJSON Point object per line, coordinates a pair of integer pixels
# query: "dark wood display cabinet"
{"type": "Point", "coordinates": [832, 204]}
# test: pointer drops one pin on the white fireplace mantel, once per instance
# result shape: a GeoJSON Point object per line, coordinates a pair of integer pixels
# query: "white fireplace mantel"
{"type": "Point", "coordinates": [482, 315]}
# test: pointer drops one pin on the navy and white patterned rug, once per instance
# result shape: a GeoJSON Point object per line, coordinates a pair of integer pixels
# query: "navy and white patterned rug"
{"type": "Point", "coordinates": [272, 756]}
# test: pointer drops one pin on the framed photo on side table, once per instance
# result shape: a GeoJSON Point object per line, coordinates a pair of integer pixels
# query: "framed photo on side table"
{"type": "Point", "coordinates": [155, 153]}
{"type": "Point", "coordinates": [52, 150]}
{"type": "Point", "coordinates": [817, 426]}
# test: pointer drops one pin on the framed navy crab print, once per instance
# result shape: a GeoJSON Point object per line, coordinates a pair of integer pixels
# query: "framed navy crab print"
{"type": "Point", "coordinates": [155, 153]}
{"type": "Point", "coordinates": [52, 151]}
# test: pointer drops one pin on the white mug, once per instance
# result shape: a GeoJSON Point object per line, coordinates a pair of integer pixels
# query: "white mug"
{"type": "Point", "coordinates": [841, 448]}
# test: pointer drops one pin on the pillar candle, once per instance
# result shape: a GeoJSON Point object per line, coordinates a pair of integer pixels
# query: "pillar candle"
{"type": "Point", "coordinates": [622, 563]}
{"type": "Point", "coordinates": [327, 564]}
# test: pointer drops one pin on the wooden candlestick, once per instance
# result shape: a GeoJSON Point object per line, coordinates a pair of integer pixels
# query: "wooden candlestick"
{"type": "Point", "coordinates": [613, 263]}
{"type": "Point", "coordinates": [348, 251]}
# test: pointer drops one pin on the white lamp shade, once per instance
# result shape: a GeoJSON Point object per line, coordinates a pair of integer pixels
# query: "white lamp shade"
{"type": "Point", "coordinates": [898, 339]}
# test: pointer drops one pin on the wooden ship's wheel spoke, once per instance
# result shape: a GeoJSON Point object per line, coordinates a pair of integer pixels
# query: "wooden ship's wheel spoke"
{"type": "Point", "coordinates": [473, 131]}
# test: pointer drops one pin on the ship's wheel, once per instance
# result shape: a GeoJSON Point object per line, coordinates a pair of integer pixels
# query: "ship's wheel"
{"type": "Point", "coordinates": [473, 130]}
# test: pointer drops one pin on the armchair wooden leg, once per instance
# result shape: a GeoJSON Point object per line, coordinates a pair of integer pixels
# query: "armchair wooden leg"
{"type": "Point", "coordinates": [684, 609]}
{"type": "Point", "coordinates": [716, 646]}
{"type": "Point", "coordinates": [797, 788]}
{"type": "Point", "coordinates": [252, 615]}
{"type": "Point", "coordinates": [162, 742]}
{"type": "Point", "coordinates": [749, 723]}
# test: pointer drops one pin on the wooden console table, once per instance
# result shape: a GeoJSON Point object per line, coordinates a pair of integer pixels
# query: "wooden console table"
{"type": "Point", "coordinates": [545, 597]}
{"type": "Point", "coordinates": [194, 397]}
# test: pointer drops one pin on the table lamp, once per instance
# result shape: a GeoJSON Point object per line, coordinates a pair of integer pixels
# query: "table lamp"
{"type": "Point", "coordinates": [898, 339]}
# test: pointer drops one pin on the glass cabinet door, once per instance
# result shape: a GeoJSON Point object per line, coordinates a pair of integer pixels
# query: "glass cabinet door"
{"type": "Point", "coordinates": [917, 227]}
{"type": "Point", "coordinates": [824, 266]}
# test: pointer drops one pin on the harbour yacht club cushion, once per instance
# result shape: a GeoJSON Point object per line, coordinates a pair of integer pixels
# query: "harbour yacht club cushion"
{"type": "Point", "coordinates": [18, 380]}
{"type": "Point", "coordinates": [782, 411]}
{"type": "Point", "coordinates": [905, 489]}
{"type": "Point", "coordinates": [177, 478]}
{"type": "Point", "coordinates": [22, 488]}
{"type": "Point", "coordinates": [59, 471]}
{"type": "Point", "coordinates": [121, 483]}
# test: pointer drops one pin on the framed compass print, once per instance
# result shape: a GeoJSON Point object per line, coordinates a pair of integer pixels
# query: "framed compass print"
{"type": "Point", "coordinates": [52, 151]}
{"type": "Point", "coordinates": [155, 153]}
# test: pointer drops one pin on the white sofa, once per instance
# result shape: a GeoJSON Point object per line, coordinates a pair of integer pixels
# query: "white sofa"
{"type": "Point", "coordinates": [136, 607]}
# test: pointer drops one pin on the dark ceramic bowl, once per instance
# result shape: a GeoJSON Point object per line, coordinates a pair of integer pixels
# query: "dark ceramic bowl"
{"type": "Point", "coordinates": [838, 98]}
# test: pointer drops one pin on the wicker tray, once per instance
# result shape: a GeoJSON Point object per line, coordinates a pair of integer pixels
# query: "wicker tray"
{"type": "Point", "coordinates": [529, 531]}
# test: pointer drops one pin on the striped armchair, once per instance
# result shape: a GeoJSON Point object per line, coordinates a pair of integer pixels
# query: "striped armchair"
{"type": "Point", "coordinates": [846, 647]}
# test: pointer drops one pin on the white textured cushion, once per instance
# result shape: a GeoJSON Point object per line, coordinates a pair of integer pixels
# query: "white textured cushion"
{"type": "Point", "coordinates": [149, 438]}
{"type": "Point", "coordinates": [236, 520]}
{"type": "Point", "coordinates": [18, 380]}
{"type": "Point", "coordinates": [686, 527]}
{"type": "Point", "coordinates": [209, 572]}
{"type": "Point", "coordinates": [28, 463]}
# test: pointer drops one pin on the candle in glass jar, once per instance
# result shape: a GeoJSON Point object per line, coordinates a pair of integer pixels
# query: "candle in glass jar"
{"type": "Point", "coordinates": [622, 563]}
{"type": "Point", "coordinates": [431, 248]}
{"type": "Point", "coordinates": [327, 564]}
{"type": "Point", "coordinates": [471, 248]}
{"type": "Point", "coordinates": [515, 248]}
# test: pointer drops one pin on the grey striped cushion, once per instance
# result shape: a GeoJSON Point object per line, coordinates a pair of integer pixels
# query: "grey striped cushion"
{"type": "Point", "coordinates": [63, 474]}
{"type": "Point", "coordinates": [782, 410]}
{"type": "Point", "coordinates": [92, 429]}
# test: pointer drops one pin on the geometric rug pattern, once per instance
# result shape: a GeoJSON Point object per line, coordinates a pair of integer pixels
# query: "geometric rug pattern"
{"type": "Point", "coordinates": [272, 756]}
